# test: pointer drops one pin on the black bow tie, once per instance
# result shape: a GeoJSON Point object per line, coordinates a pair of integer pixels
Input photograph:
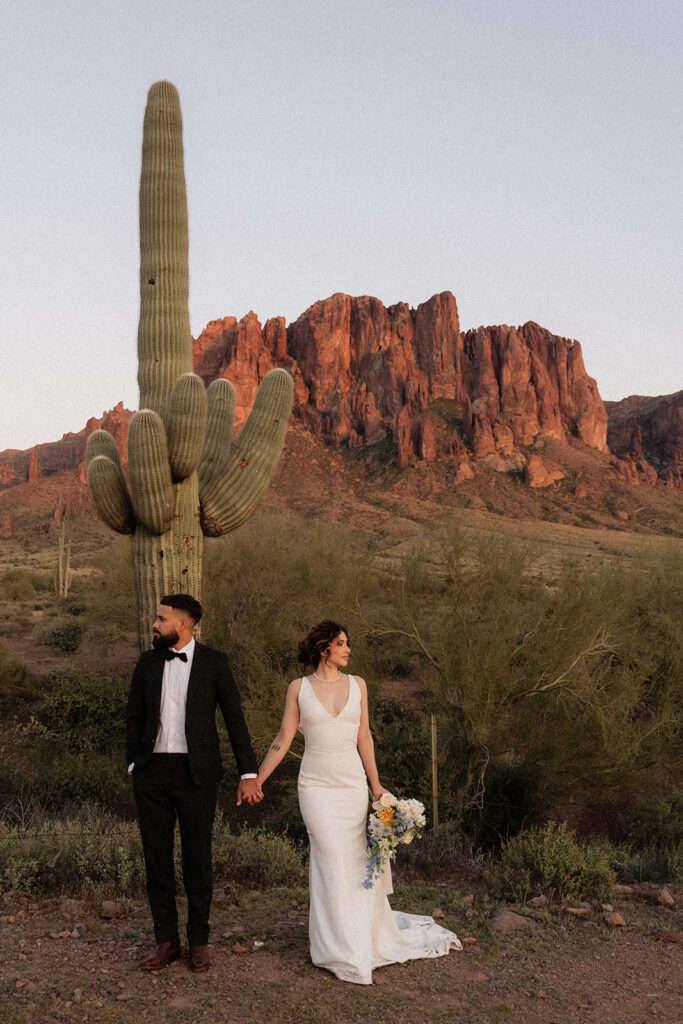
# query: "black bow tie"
{"type": "Point", "coordinates": [169, 655]}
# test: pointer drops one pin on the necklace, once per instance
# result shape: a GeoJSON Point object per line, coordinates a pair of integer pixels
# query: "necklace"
{"type": "Point", "coordinates": [323, 680]}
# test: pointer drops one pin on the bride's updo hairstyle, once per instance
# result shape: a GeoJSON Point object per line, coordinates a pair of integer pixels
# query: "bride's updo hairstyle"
{"type": "Point", "coordinates": [317, 640]}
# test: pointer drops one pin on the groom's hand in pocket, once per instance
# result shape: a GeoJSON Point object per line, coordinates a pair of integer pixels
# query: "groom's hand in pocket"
{"type": "Point", "coordinates": [249, 792]}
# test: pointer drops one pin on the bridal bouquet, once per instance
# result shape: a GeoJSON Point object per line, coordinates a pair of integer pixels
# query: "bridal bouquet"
{"type": "Point", "coordinates": [391, 823]}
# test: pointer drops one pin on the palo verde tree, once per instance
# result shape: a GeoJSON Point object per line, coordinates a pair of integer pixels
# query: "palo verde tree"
{"type": "Point", "coordinates": [187, 480]}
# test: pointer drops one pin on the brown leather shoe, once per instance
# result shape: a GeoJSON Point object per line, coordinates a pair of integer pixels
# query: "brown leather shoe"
{"type": "Point", "coordinates": [199, 958]}
{"type": "Point", "coordinates": [166, 953]}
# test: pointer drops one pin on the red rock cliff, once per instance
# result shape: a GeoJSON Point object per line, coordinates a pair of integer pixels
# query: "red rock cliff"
{"type": "Point", "coordinates": [67, 454]}
{"type": "Point", "coordinates": [648, 433]}
{"type": "Point", "coordinates": [365, 372]}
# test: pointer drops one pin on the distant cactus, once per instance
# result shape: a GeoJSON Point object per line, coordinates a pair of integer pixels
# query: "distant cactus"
{"type": "Point", "coordinates": [186, 480]}
{"type": "Point", "coordinates": [63, 568]}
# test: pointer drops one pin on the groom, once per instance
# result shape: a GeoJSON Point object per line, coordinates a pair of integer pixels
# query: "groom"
{"type": "Point", "coordinates": [174, 758]}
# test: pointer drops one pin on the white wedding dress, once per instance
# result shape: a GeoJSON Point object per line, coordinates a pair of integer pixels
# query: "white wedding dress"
{"type": "Point", "coordinates": [352, 929]}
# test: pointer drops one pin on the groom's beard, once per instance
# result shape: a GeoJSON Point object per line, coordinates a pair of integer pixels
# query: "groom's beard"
{"type": "Point", "coordinates": [162, 642]}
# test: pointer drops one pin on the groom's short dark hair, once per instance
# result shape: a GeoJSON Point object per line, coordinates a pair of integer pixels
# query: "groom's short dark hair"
{"type": "Point", "coordinates": [184, 603]}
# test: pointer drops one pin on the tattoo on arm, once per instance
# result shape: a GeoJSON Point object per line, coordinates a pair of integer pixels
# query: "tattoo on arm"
{"type": "Point", "coordinates": [275, 746]}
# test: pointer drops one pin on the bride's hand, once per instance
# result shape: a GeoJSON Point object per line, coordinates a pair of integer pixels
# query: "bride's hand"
{"type": "Point", "coordinates": [377, 791]}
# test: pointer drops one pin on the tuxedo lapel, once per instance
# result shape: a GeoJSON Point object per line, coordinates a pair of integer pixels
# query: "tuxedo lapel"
{"type": "Point", "coordinates": [156, 680]}
{"type": "Point", "coordinates": [194, 682]}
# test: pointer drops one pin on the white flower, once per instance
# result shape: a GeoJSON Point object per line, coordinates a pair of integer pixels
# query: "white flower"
{"type": "Point", "coordinates": [386, 800]}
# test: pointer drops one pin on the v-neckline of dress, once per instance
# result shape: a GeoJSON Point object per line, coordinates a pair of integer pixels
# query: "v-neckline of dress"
{"type": "Point", "coordinates": [317, 698]}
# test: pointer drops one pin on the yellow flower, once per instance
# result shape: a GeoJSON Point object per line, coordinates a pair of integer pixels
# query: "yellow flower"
{"type": "Point", "coordinates": [386, 815]}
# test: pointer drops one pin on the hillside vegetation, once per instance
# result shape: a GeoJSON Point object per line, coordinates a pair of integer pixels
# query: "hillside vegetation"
{"type": "Point", "coordinates": [555, 683]}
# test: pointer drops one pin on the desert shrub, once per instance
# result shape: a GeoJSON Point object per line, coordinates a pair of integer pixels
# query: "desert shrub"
{"type": "Point", "coordinates": [84, 712]}
{"type": "Point", "coordinates": [84, 855]}
{"type": "Point", "coordinates": [92, 853]}
{"type": "Point", "coordinates": [42, 579]}
{"type": "Point", "coordinates": [651, 841]}
{"type": "Point", "coordinates": [14, 672]}
{"type": "Point", "coordinates": [266, 583]}
{"type": "Point", "coordinates": [108, 596]}
{"type": "Point", "coordinates": [64, 634]}
{"type": "Point", "coordinates": [68, 746]}
{"type": "Point", "coordinates": [18, 585]}
{"type": "Point", "coordinates": [75, 606]}
{"type": "Point", "coordinates": [56, 777]}
{"type": "Point", "coordinates": [657, 824]}
{"type": "Point", "coordinates": [256, 856]}
{"type": "Point", "coordinates": [548, 859]}
{"type": "Point", "coordinates": [653, 864]}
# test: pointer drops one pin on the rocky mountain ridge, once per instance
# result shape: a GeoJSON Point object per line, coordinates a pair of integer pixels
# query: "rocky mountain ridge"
{"type": "Point", "coordinates": [648, 432]}
{"type": "Point", "coordinates": [406, 385]}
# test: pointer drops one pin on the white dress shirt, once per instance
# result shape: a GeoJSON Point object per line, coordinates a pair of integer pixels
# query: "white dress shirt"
{"type": "Point", "coordinates": [171, 733]}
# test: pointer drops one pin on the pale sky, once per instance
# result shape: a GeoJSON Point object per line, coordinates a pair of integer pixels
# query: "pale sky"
{"type": "Point", "coordinates": [525, 155]}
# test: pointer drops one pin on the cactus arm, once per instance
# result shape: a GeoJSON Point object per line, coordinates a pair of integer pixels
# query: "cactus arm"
{"type": "Point", "coordinates": [164, 338]}
{"type": "Point", "coordinates": [110, 494]}
{"type": "Point", "coordinates": [149, 471]}
{"type": "Point", "coordinates": [242, 477]}
{"type": "Point", "coordinates": [186, 425]}
{"type": "Point", "coordinates": [221, 416]}
{"type": "Point", "coordinates": [101, 442]}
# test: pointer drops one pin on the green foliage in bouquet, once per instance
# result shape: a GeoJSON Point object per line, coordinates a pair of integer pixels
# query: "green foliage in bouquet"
{"type": "Point", "coordinates": [186, 479]}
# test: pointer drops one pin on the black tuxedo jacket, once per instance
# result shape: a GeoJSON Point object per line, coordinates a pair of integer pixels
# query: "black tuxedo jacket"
{"type": "Point", "coordinates": [211, 683]}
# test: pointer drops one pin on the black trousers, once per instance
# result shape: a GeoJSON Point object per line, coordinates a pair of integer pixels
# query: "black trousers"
{"type": "Point", "coordinates": [164, 793]}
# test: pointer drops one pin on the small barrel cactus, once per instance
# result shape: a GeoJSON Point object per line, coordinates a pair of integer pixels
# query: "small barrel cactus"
{"type": "Point", "coordinates": [187, 480]}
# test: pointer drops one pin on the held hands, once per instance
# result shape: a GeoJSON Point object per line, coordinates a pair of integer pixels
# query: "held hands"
{"type": "Point", "coordinates": [249, 792]}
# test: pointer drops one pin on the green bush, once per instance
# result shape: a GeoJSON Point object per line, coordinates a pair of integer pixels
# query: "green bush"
{"type": "Point", "coordinates": [14, 672]}
{"type": "Point", "coordinates": [58, 778]}
{"type": "Point", "coordinates": [548, 859]}
{"type": "Point", "coordinates": [73, 606]}
{"type": "Point", "coordinates": [94, 854]}
{"type": "Point", "coordinates": [651, 841]}
{"type": "Point", "coordinates": [263, 588]}
{"type": "Point", "coordinates": [64, 634]}
{"type": "Point", "coordinates": [68, 746]}
{"type": "Point", "coordinates": [85, 712]}
{"type": "Point", "coordinates": [656, 864]}
{"type": "Point", "coordinates": [110, 605]}
{"type": "Point", "coordinates": [18, 585]}
{"type": "Point", "coordinates": [85, 855]}
{"type": "Point", "coordinates": [657, 824]}
{"type": "Point", "coordinates": [256, 856]}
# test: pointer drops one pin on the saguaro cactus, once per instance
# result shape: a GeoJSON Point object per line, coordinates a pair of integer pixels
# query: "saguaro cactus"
{"type": "Point", "coordinates": [63, 568]}
{"type": "Point", "coordinates": [186, 479]}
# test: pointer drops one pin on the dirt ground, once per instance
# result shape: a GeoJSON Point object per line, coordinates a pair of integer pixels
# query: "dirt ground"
{"type": "Point", "coordinates": [60, 960]}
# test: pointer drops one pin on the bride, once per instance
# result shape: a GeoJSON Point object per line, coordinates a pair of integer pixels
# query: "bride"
{"type": "Point", "coordinates": [352, 930]}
